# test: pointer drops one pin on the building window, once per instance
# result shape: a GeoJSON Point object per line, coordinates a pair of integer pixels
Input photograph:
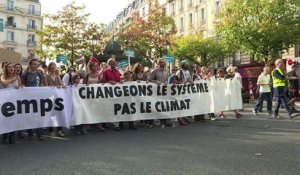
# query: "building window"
{"type": "Point", "coordinates": [181, 5]}
{"type": "Point", "coordinates": [31, 37]}
{"type": "Point", "coordinates": [10, 5]}
{"type": "Point", "coordinates": [217, 5]}
{"type": "Point", "coordinates": [10, 22]}
{"type": "Point", "coordinates": [181, 25]}
{"type": "Point", "coordinates": [190, 3]}
{"type": "Point", "coordinates": [172, 9]}
{"type": "Point", "coordinates": [202, 17]}
{"type": "Point", "coordinates": [31, 54]}
{"type": "Point", "coordinates": [10, 36]}
{"type": "Point", "coordinates": [191, 19]}
{"type": "Point", "coordinates": [10, 48]}
{"type": "Point", "coordinates": [31, 24]}
{"type": "Point", "coordinates": [143, 11]}
{"type": "Point", "coordinates": [31, 10]}
{"type": "Point", "coordinates": [31, 40]}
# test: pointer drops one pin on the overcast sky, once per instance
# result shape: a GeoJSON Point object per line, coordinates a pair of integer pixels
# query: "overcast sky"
{"type": "Point", "coordinates": [102, 11]}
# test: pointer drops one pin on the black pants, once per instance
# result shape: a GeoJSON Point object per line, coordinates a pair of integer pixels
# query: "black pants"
{"type": "Point", "coordinates": [38, 132]}
{"type": "Point", "coordinates": [130, 124]}
{"type": "Point", "coordinates": [149, 122]}
{"type": "Point", "coordinates": [51, 129]}
{"type": "Point", "coordinates": [10, 136]}
{"type": "Point", "coordinates": [163, 121]}
{"type": "Point", "coordinates": [199, 117]}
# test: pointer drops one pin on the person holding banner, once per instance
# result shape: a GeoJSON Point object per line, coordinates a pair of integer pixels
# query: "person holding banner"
{"type": "Point", "coordinates": [79, 129]}
{"type": "Point", "coordinates": [220, 77]}
{"type": "Point", "coordinates": [199, 75]}
{"type": "Point", "coordinates": [18, 69]}
{"type": "Point", "coordinates": [52, 79]}
{"type": "Point", "coordinates": [159, 76]}
{"type": "Point", "coordinates": [184, 76]}
{"type": "Point", "coordinates": [93, 77]}
{"type": "Point", "coordinates": [211, 77]}
{"type": "Point", "coordinates": [139, 75]}
{"type": "Point", "coordinates": [67, 78]}
{"type": "Point", "coordinates": [173, 80]}
{"type": "Point", "coordinates": [33, 78]}
{"type": "Point", "coordinates": [112, 76]}
{"type": "Point", "coordinates": [9, 79]}
{"type": "Point", "coordinates": [203, 74]}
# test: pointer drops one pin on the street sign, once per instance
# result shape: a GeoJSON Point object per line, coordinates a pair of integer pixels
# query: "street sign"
{"type": "Point", "coordinates": [168, 58]}
{"type": "Point", "coordinates": [129, 53]}
{"type": "Point", "coordinates": [61, 58]}
{"type": "Point", "coordinates": [122, 63]}
{"type": "Point", "coordinates": [1, 25]}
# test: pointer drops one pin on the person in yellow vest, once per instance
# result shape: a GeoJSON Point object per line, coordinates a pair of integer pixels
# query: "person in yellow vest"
{"type": "Point", "coordinates": [279, 82]}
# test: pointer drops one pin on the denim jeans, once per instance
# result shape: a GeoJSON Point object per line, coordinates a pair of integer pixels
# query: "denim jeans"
{"type": "Point", "coordinates": [264, 96]}
{"type": "Point", "coordinates": [281, 100]}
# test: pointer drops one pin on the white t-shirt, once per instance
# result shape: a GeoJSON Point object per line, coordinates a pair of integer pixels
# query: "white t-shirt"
{"type": "Point", "coordinates": [66, 78]}
{"type": "Point", "coordinates": [186, 75]}
{"type": "Point", "coordinates": [264, 79]}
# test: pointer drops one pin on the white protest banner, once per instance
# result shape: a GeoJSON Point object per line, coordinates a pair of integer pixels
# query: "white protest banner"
{"type": "Point", "coordinates": [139, 101]}
{"type": "Point", "coordinates": [40, 107]}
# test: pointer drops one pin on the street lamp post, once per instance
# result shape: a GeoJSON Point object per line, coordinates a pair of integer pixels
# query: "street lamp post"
{"type": "Point", "coordinates": [164, 36]}
{"type": "Point", "coordinates": [126, 42]}
{"type": "Point", "coordinates": [94, 43]}
{"type": "Point", "coordinates": [168, 44]}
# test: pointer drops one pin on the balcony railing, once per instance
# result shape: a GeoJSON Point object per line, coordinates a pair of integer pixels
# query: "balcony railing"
{"type": "Point", "coordinates": [10, 24]}
{"type": "Point", "coordinates": [37, 1]}
{"type": "Point", "coordinates": [28, 11]}
{"type": "Point", "coordinates": [33, 12]}
{"type": "Point", "coordinates": [31, 27]}
{"type": "Point", "coordinates": [31, 43]}
{"type": "Point", "coordinates": [10, 8]}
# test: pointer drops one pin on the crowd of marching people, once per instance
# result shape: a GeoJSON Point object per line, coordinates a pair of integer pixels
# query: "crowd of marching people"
{"type": "Point", "coordinates": [37, 75]}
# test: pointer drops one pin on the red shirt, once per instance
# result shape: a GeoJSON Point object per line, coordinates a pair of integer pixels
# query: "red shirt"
{"type": "Point", "coordinates": [111, 74]}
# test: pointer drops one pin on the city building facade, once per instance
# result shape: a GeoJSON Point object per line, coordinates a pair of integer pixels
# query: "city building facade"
{"type": "Point", "coordinates": [21, 18]}
{"type": "Point", "coordinates": [190, 16]}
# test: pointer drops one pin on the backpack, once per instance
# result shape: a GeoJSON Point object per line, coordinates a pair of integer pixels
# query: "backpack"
{"type": "Point", "coordinates": [181, 76]}
{"type": "Point", "coordinates": [70, 79]}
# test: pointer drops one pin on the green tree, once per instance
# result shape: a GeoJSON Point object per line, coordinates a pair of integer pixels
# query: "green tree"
{"type": "Point", "coordinates": [193, 47]}
{"type": "Point", "coordinates": [263, 28]}
{"type": "Point", "coordinates": [69, 33]}
{"type": "Point", "coordinates": [149, 37]}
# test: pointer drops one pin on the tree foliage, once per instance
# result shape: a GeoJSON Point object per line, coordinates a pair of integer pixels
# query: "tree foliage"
{"type": "Point", "coordinates": [149, 36]}
{"type": "Point", "coordinates": [263, 28]}
{"type": "Point", "coordinates": [69, 33]}
{"type": "Point", "coordinates": [197, 49]}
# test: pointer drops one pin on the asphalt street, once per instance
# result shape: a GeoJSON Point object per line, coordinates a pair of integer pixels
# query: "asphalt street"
{"type": "Point", "coordinates": [250, 145]}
